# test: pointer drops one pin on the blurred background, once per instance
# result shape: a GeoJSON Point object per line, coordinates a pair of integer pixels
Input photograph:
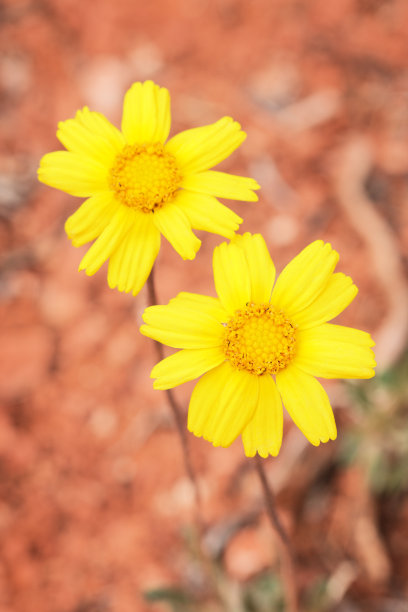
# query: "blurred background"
{"type": "Point", "coordinates": [96, 512]}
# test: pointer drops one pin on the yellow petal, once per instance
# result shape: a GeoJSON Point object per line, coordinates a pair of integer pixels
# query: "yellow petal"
{"type": "Point", "coordinates": [263, 434]}
{"type": "Point", "coordinates": [130, 264]}
{"type": "Point", "coordinates": [231, 276]}
{"type": "Point", "coordinates": [308, 405]}
{"type": "Point", "coordinates": [260, 265]}
{"type": "Point", "coordinates": [173, 223]}
{"type": "Point", "coordinates": [222, 403]}
{"type": "Point", "coordinates": [91, 135]}
{"type": "Point", "coordinates": [96, 122]}
{"type": "Point", "coordinates": [185, 365]}
{"type": "Point", "coordinates": [91, 218]}
{"type": "Point", "coordinates": [201, 303]}
{"type": "Point", "coordinates": [222, 185]}
{"type": "Point", "coordinates": [206, 213]}
{"type": "Point", "coordinates": [181, 327]}
{"type": "Point", "coordinates": [303, 279]}
{"type": "Point", "coordinates": [108, 241]}
{"type": "Point", "coordinates": [337, 295]}
{"type": "Point", "coordinates": [335, 351]}
{"type": "Point", "coordinates": [146, 113]}
{"type": "Point", "coordinates": [72, 173]}
{"type": "Point", "coordinates": [204, 147]}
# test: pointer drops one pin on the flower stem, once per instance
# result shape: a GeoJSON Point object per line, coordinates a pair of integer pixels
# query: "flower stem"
{"type": "Point", "coordinates": [176, 410]}
{"type": "Point", "coordinates": [288, 569]}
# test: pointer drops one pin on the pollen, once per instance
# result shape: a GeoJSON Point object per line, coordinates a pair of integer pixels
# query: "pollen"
{"type": "Point", "coordinates": [259, 338]}
{"type": "Point", "coordinates": [145, 177]}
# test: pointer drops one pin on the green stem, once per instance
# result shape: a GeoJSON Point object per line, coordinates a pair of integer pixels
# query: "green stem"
{"type": "Point", "coordinates": [176, 410]}
{"type": "Point", "coordinates": [288, 566]}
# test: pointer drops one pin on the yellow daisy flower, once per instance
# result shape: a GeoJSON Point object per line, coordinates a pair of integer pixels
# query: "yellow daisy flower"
{"type": "Point", "coordinates": [258, 345]}
{"type": "Point", "coordinates": [139, 186]}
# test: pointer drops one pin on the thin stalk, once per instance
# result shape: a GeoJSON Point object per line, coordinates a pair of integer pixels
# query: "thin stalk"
{"type": "Point", "coordinates": [288, 566]}
{"type": "Point", "coordinates": [176, 410]}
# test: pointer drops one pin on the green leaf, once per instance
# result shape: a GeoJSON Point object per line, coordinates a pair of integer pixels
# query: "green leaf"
{"type": "Point", "coordinates": [175, 597]}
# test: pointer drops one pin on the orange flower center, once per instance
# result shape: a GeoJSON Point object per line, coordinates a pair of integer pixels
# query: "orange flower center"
{"type": "Point", "coordinates": [145, 177]}
{"type": "Point", "coordinates": [259, 338]}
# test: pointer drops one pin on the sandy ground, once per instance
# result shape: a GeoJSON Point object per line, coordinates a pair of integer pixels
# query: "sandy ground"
{"type": "Point", "coordinates": [95, 504]}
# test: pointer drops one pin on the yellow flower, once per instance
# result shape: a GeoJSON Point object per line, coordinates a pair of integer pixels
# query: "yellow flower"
{"type": "Point", "coordinates": [254, 334]}
{"type": "Point", "coordinates": [139, 186]}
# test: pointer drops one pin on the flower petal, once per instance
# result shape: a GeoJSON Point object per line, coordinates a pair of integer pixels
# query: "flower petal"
{"type": "Point", "coordinates": [304, 278]}
{"type": "Point", "coordinates": [185, 365]}
{"type": "Point", "coordinates": [206, 213]}
{"type": "Point", "coordinates": [182, 327]}
{"type": "Point", "coordinates": [131, 263]}
{"type": "Point", "coordinates": [307, 403]}
{"type": "Point", "coordinates": [335, 351]}
{"type": "Point", "coordinates": [173, 223]}
{"type": "Point", "coordinates": [222, 403]}
{"type": "Point", "coordinates": [222, 185]}
{"type": "Point", "coordinates": [91, 135]}
{"type": "Point", "coordinates": [146, 113]}
{"type": "Point", "coordinates": [337, 295]}
{"type": "Point", "coordinates": [231, 276]}
{"type": "Point", "coordinates": [263, 434]}
{"type": "Point", "coordinates": [260, 265]}
{"type": "Point", "coordinates": [201, 303]}
{"type": "Point", "coordinates": [91, 218]}
{"type": "Point", "coordinates": [204, 147]}
{"type": "Point", "coordinates": [108, 241]}
{"type": "Point", "coordinates": [75, 174]}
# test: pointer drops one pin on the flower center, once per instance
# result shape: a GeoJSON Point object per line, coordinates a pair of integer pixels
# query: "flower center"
{"type": "Point", "coordinates": [259, 338]}
{"type": "Point", "coordinates": [144, 176]}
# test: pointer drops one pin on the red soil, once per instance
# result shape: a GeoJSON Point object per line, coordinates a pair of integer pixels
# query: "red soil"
{"type": "Point", "coordinates": [94, 497]}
